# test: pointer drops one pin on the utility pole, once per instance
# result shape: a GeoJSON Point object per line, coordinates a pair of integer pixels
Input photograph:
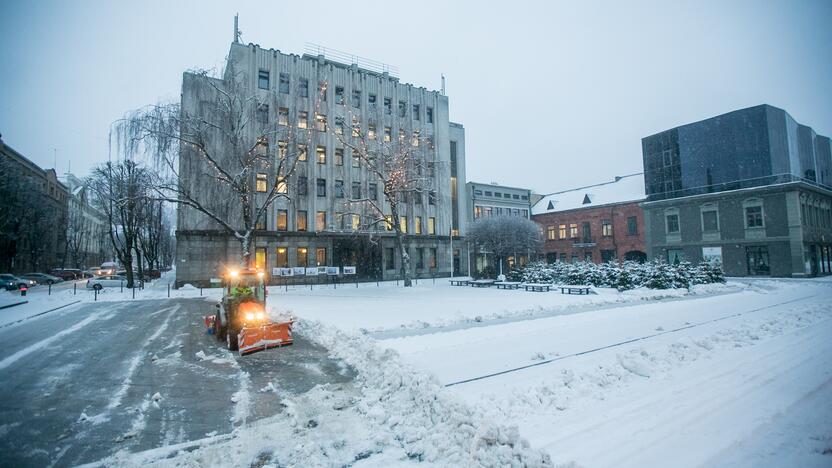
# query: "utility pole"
{"type": "Point", "coordinates": [236, 28]}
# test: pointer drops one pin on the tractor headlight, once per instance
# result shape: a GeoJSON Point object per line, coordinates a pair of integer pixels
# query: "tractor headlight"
{"type": "Point", "coordinates": [260, 315]}
{"type": "Point", "coordinates": [249, 316]}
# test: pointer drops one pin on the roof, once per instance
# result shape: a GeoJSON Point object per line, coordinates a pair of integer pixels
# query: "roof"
{"type": "Point", "coordinates": [623, 189]}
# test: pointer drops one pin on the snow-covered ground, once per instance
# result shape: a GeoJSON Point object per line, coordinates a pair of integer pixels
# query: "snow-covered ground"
{"type": "Point", "coordinates": [723, 375]}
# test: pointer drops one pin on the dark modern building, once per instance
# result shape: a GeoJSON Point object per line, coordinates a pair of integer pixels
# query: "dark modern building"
{"type": "Point", "coordinates": [751, 189]}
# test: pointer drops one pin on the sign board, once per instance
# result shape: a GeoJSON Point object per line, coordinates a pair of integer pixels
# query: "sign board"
{"type": "Point", "coordinates": [299, 271]}
{"type": "Point", "coordinates": [313, 271]}
{"type": "Point", "coordinates": [332, 271]}
{"type": "Point", "coordinates": [349, 270]}
{"type": "Point", "coordinates": [286, 272]}
{"type": "Point", "coordinates": [712, 255]}
{"type": "Point", "coordinates": [321, 270]}
{"type": "Point", "coordinates": [276, 271]}
{"type": "Point", "coordinates": [216, 280]}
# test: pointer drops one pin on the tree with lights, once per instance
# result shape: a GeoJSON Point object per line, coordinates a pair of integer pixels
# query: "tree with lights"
{"type": "Point", "coordinates": [505, 235]}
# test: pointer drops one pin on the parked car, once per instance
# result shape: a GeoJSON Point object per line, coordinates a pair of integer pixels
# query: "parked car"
{"type": "Point", "coordinates": [153, 274]}
{"type": "Point", "coordinates": [42, 278]}
{"type": "Point", "coordinates": [66, 274]}
{"type": "Point", "coordinates": [108, 268]}
{"type": "Point", "coordinates": [92, 272]}
{"type": "Point", "coordinates": [145, 277]}
{"type": "Point", "coordinates": [106, 281]}
{"type": "Point", "coordinates": [12, 282]}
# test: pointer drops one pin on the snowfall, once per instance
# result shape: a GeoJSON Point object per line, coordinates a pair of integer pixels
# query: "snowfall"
{"type": "Point", "coordinates": [736, 374]}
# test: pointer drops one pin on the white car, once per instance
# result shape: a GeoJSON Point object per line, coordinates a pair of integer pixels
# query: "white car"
{"type": "Point", "coordinates": [106, 281]}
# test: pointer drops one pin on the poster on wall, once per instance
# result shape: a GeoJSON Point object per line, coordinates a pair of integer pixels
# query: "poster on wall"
{"type": "Point", "coordinates": [286, 272]}
{"type": "Point", "coordinates": [276, 271]}
{"type": "Point", "coordinates": [299, 271]}
{"type": "Point", "coordinates": [312, 271]}
{"type": "Point", "coordinates": [322, 270]}
{"type": "Point", "coordinates": [712, 255]}
{"type": "Point", "coordinates": [349, 270]}
{"type": "Point", "coordinates": [332, 271]}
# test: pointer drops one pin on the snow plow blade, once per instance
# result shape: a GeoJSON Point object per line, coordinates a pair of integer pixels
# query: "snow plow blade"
{"type": "Point", "coordinates": [260, 337]}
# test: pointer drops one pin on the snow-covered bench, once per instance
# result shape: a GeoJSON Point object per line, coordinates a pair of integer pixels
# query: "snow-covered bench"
{"type": "Point", "coordinates": [460, 281]}
{"type": "Point", "coordinates": [508, 284]}
{"type": "Point", "coordinates": [575, 289]}
{"type": "Point", "coordinates": [539, 287]}
{"type": "Point", "coordinates": [482, 283]}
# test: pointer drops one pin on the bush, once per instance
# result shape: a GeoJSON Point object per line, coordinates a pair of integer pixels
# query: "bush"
{"type": "Point", "coordinates": [622, 276]}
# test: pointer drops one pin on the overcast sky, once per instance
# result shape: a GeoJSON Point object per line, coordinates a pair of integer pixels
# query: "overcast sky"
{"type": "Point", "coordinates": [552, 94]}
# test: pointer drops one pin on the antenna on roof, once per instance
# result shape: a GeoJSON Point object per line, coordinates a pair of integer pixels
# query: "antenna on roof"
{"type": "Point", "coordinates": [443, 84]}
{"type": "Point", "coordinates": [237, 32]}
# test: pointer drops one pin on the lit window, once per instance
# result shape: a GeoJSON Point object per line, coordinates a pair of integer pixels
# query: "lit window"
{"type": "Point", "coordinates": [301, 152]}
{"type": "Point", "coordinates": [282, 186]}
{"type": "Point", "coordinates": [320, 256]}
{"type": "Point", "coordinates": [417, 225]}
{"type": "Point", "coordinates": [320, 221]}
{"type": "Point", "coordinates": [550, 232]}
{"type": "Point", "coordinates": [320, 154]}
{"type": "Point", "coordinates": [371, 131]}
{"type": "Point", "coordinates": [356, 127]}
{"type": "Point", "coordinates": [281, 149]}
{"type": "Point", "coordinates": [403, 224]}
{"type": "Point", "coordinates": [320, 122]}
{"type": "Point", "coordinates": [606, 228]}
{"type": "Point", "coordinates": [339, 125]}
{"type": "Point", "coordinates": [262, 182]}
{"type": "Point", "coordinates": [431, 226]}
{"type": "Point", "coordinates": [282, 220]}
{"type": "Point", "coordinates": [303, 253]}
{"type": "Point", "coordinates": [283, 116]}
{"type": "Point", "coordinates": [415, 139]}
{"type": "Point", "coordinates": [356, 222]}
{"type": "Point", "coordinates": [562, 231]}
{"type": "Point", "coordinates": [301, 220]}
{"type": "Point", "coordinates": [573, 230]}
{"type": "Point", "coordinates": [388, 133]}
{"type": "Point", "coordinates": [303, 118]}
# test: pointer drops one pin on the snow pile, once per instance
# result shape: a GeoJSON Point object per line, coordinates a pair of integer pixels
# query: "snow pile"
{"type": "Point", "coordinates": [623, 276]}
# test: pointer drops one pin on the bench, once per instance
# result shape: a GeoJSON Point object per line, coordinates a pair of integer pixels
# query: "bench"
{"type": "Point", "coordinates": [508, 284]}
{"type": "Point", "coordinates": [538, 287]}
{"type": "Point", "coordinates": [459, 282]}
{"type": "Point", "coordinates": [482, 283]}
{"type": "Point", "coordinates": [575, 289]}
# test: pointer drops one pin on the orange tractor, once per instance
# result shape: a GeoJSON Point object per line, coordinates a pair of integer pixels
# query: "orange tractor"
{"type": "Point", "coordinates": [241, 319]}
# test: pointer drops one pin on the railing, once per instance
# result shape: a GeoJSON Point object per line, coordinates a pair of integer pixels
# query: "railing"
{"type": "Point", "coordinates": [348, 59]}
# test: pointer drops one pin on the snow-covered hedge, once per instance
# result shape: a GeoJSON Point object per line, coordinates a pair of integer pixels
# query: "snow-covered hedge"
{"type": "Point", "coordinates": [623, 276]}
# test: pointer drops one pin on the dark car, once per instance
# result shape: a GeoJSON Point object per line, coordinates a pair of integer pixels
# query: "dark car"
{"type": "Point", "coordinates": [42, 278]}
{"type": "Point", "coordinates": [66, 274]}
{"type": "Point", "coordinates": [11, 282]}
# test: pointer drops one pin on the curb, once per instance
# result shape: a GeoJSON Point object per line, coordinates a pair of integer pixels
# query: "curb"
{"type": "Point", "coordinates": [39, 314]}
{"type": "Point", "coordinates": [15, 304]}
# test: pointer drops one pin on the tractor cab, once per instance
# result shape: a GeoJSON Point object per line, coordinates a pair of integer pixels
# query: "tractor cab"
{"type": "Point", "coordinates": [246, 285]}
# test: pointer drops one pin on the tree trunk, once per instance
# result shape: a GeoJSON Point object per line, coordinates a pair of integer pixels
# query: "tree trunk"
{"type": "Point", "coordinates": [405, 257]}
{"type": "Point", "coordinates": [245, 250]}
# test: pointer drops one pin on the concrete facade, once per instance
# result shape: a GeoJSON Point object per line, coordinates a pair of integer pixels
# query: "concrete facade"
{"type": "Point", "coordinates": [750, 188]}
{"type": "Point", "coordinates": [87, 238]}
{"type": "Point", "coordinates": [292, 85]}
{"type": "Point", "coordinates": [495, 200]}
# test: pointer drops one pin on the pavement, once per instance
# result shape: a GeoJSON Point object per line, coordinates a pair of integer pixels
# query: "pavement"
{"type": "Point", "coordinates": [83, 383]}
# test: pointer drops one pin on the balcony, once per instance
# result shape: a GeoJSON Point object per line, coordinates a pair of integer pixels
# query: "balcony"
{"type": "Point", "coordinates": [584, 243]}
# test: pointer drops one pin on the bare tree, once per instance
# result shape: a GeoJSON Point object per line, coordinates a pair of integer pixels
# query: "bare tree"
{"type": "Point", "coordinates": [122, 189]}
{"type": "Point", "coordinates": [224, 135]}
{"type": "Point", "coordinates": [403, 167]}
{"type": "Point", "coordinates": [505, 235]}
{"type": "Point", "coordinates": [150, 233]}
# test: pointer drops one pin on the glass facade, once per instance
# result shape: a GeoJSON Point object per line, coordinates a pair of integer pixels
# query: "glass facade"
{"type": "Point", "coordinates": [751, 147]}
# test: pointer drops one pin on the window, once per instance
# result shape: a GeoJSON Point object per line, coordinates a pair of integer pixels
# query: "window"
{"type": "Point", "coordinates": [282, 220]}
{"type": "Point", "coordinates": [303, 87]}
{"type": "Point", "coordinates": [282, 258]}
{"type": "Point", "coordinates": [389, 259]}
{"type": "Point", "coordinates": [260, 258]}
{"type": "Point", "coordinates": [320, 122]}
{"type": "Point", "coordinates": [607, 256]}
{"type": "Point", "coordinates": [388, 133]}
{"type": "Point", "coordinates": [339, 125]}
{"type": "Point", "coordinates": [402, 109]}
{"type": "Point", "coordinates": [303, 185]}
{"type": "Point", "coordinates": [339, 189]}
{"type": "Point", "coordinates": [281, 149]}
{"type": "Point", "coordinates": [710, 220]}
{"type": "Point", "coordinates": [339, 156]}
{"type": "Point", "coordinates": [403, 224]}
{"type": "Point", "coordinates": [261, 182]}
{"type": "Point", "coordinates": [573, 231]}
{"type": "Point", "coordinates": [587, 231]}
{"type": "Point", "coordinates": [301, 152]}
{"type": "Point", "coordinates": [675, 256]}
{"type": "Point", "coordinates": [672, 223]}
{"type": "Point", "coordinates": [525, 213]}
{"type": "Point", "coordinates": [562, 231]}
{"type": "Point", "coordinates": [263, 113]}
{"type": "Point", "coordinates": [303, 118]}
{"type": "Point", "coordinates": [356, 127]}
{"type": "Point", "coordinates": [632, 226]}
{"type": "Point", "coordinates": [429, 114]}
{"type": "Point", "coordinates": [420, 258]}
{"type": "Point", "coordinates": [320, 187]}
{"type": "Point", "coordinates": [550, 232]}
{"type": "Point", "coordinates": [432, 197]}
{"type": "Point", "coordinates": [389, 222]}
{"type": "Point", "coordinates": [356, 98]}
{"type": "Point", "coordinates": [283, 86]}
{"type": "Point", "coordinates": [371, 101]}
{"type": "Point", "coordinates": [283, 116]}
{"type": "Point", "coordinates": [371, 131]}
{"type": "Point", "coordinates": [754, 216]}
{"type": "Point", "coordinates": [356, 158]}
{"type": "Point", "coordinates": [432, 259]}
{"type": "Point", "coordinates": [606, 228]}
{"type": "Point", "coordinates": [414, 139]}
{"type": "Point", "coordinates": [260, 224]}
{"type": "Point", "coordinates": [417, 225]}
{"type": "Point", "coordinates": [477, 192]}
{"type": "Point", "coordinates": [320, 154]}
{"type": "Point", "coordinates": [320, 256]}
{"type": "Point", "coordinates": [303, 260]}
{"type": "Point", "coordinates": [401, 134]}
{"type": "Point", "coordinates": [301, 220]}
{"type": "Point", "coordinates": [488, 194]}
{"type": "Point", "coordinates": [320, 221]}
{"type": "Point", "coordinates": [356, 190]}
{"type": "Point", "coordinates": [388, 106]}
{"type": "Point", "coordinates": [757, 258]}
{"type": "Point", "coordinates": [263, 79]}
{"type": "Point", "coordinates": [282, 186]}
{"type": "Point", "coordinates": [416, 112]}
{"type": "Point", "coordinates": [588, 257]}
{"type": "Point", "coordinates": [356, 222]}
{"type": "Point", "coordinates": [372, 190]}
{"type": "Point", "coordinates": [339, 95]}
{"type": "Point", "coordinates": [322, 90]}
{"type": "Point", "coordinates": [417, 198]}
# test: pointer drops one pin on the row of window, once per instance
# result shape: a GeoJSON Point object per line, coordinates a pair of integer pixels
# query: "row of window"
{"type": "Point", "coordinates": [284, 86]}
{"type": "Point", "coordinates": [753, 210]}
{"type": "Point", "coordinates": [355, 193]}
{"type": "Point", "coordinates": [570, 230]}
{"type": "Point", "coordinates": [422, 253]}
{"type": "Point", "coordinates": [501, 195]}
{"type": "Point", "coordinates": [486, 211]}
{"type": "Point", "coordinates": [814, 215]}
{"type": "Point", "coordinates": [606, 256]}
{"type": "Point", "coordinates": [282, 260]}
{"type": "Point", "coordinates": [346, 221]}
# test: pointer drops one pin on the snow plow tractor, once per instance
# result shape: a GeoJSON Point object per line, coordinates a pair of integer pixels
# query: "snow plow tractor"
{"type": "Point", "coordinates": [241, 319]}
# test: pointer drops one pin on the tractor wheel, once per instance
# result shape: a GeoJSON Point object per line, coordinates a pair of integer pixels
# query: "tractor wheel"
{"type": "Point", "coordinates": [231, 340]}
{"type": "Point", "coordinates": [97, 287]}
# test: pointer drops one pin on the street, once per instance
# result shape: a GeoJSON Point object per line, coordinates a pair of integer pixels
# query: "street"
{"type": "Point", "coordinates": [95, 379]}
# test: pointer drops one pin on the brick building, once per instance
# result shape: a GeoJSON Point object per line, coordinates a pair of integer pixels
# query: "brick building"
{"type": "Point", "coordinates": [597, 223]}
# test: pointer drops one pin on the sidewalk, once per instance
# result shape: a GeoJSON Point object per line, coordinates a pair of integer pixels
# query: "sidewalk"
{"type": "Point", "coordinates": [15, 308]}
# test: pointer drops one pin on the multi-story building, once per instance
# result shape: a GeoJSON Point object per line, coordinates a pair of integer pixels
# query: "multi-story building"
{"type": "Point", "coordinates": [33, 215]}
{"type": "Point", "coordinates": [597, 223]}
{"type": "Point", "coordinates": [495, 200]}
{"type": "Point", "coordinates": [751, 189]}
{"type": "Point", "coordinates": [87, 242]}
{"type": "Point", "coordinates": [310, 226]}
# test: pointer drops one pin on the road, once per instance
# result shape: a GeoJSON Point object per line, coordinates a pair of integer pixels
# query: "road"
{"type": "Point", "coordinates": [83, 383]}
